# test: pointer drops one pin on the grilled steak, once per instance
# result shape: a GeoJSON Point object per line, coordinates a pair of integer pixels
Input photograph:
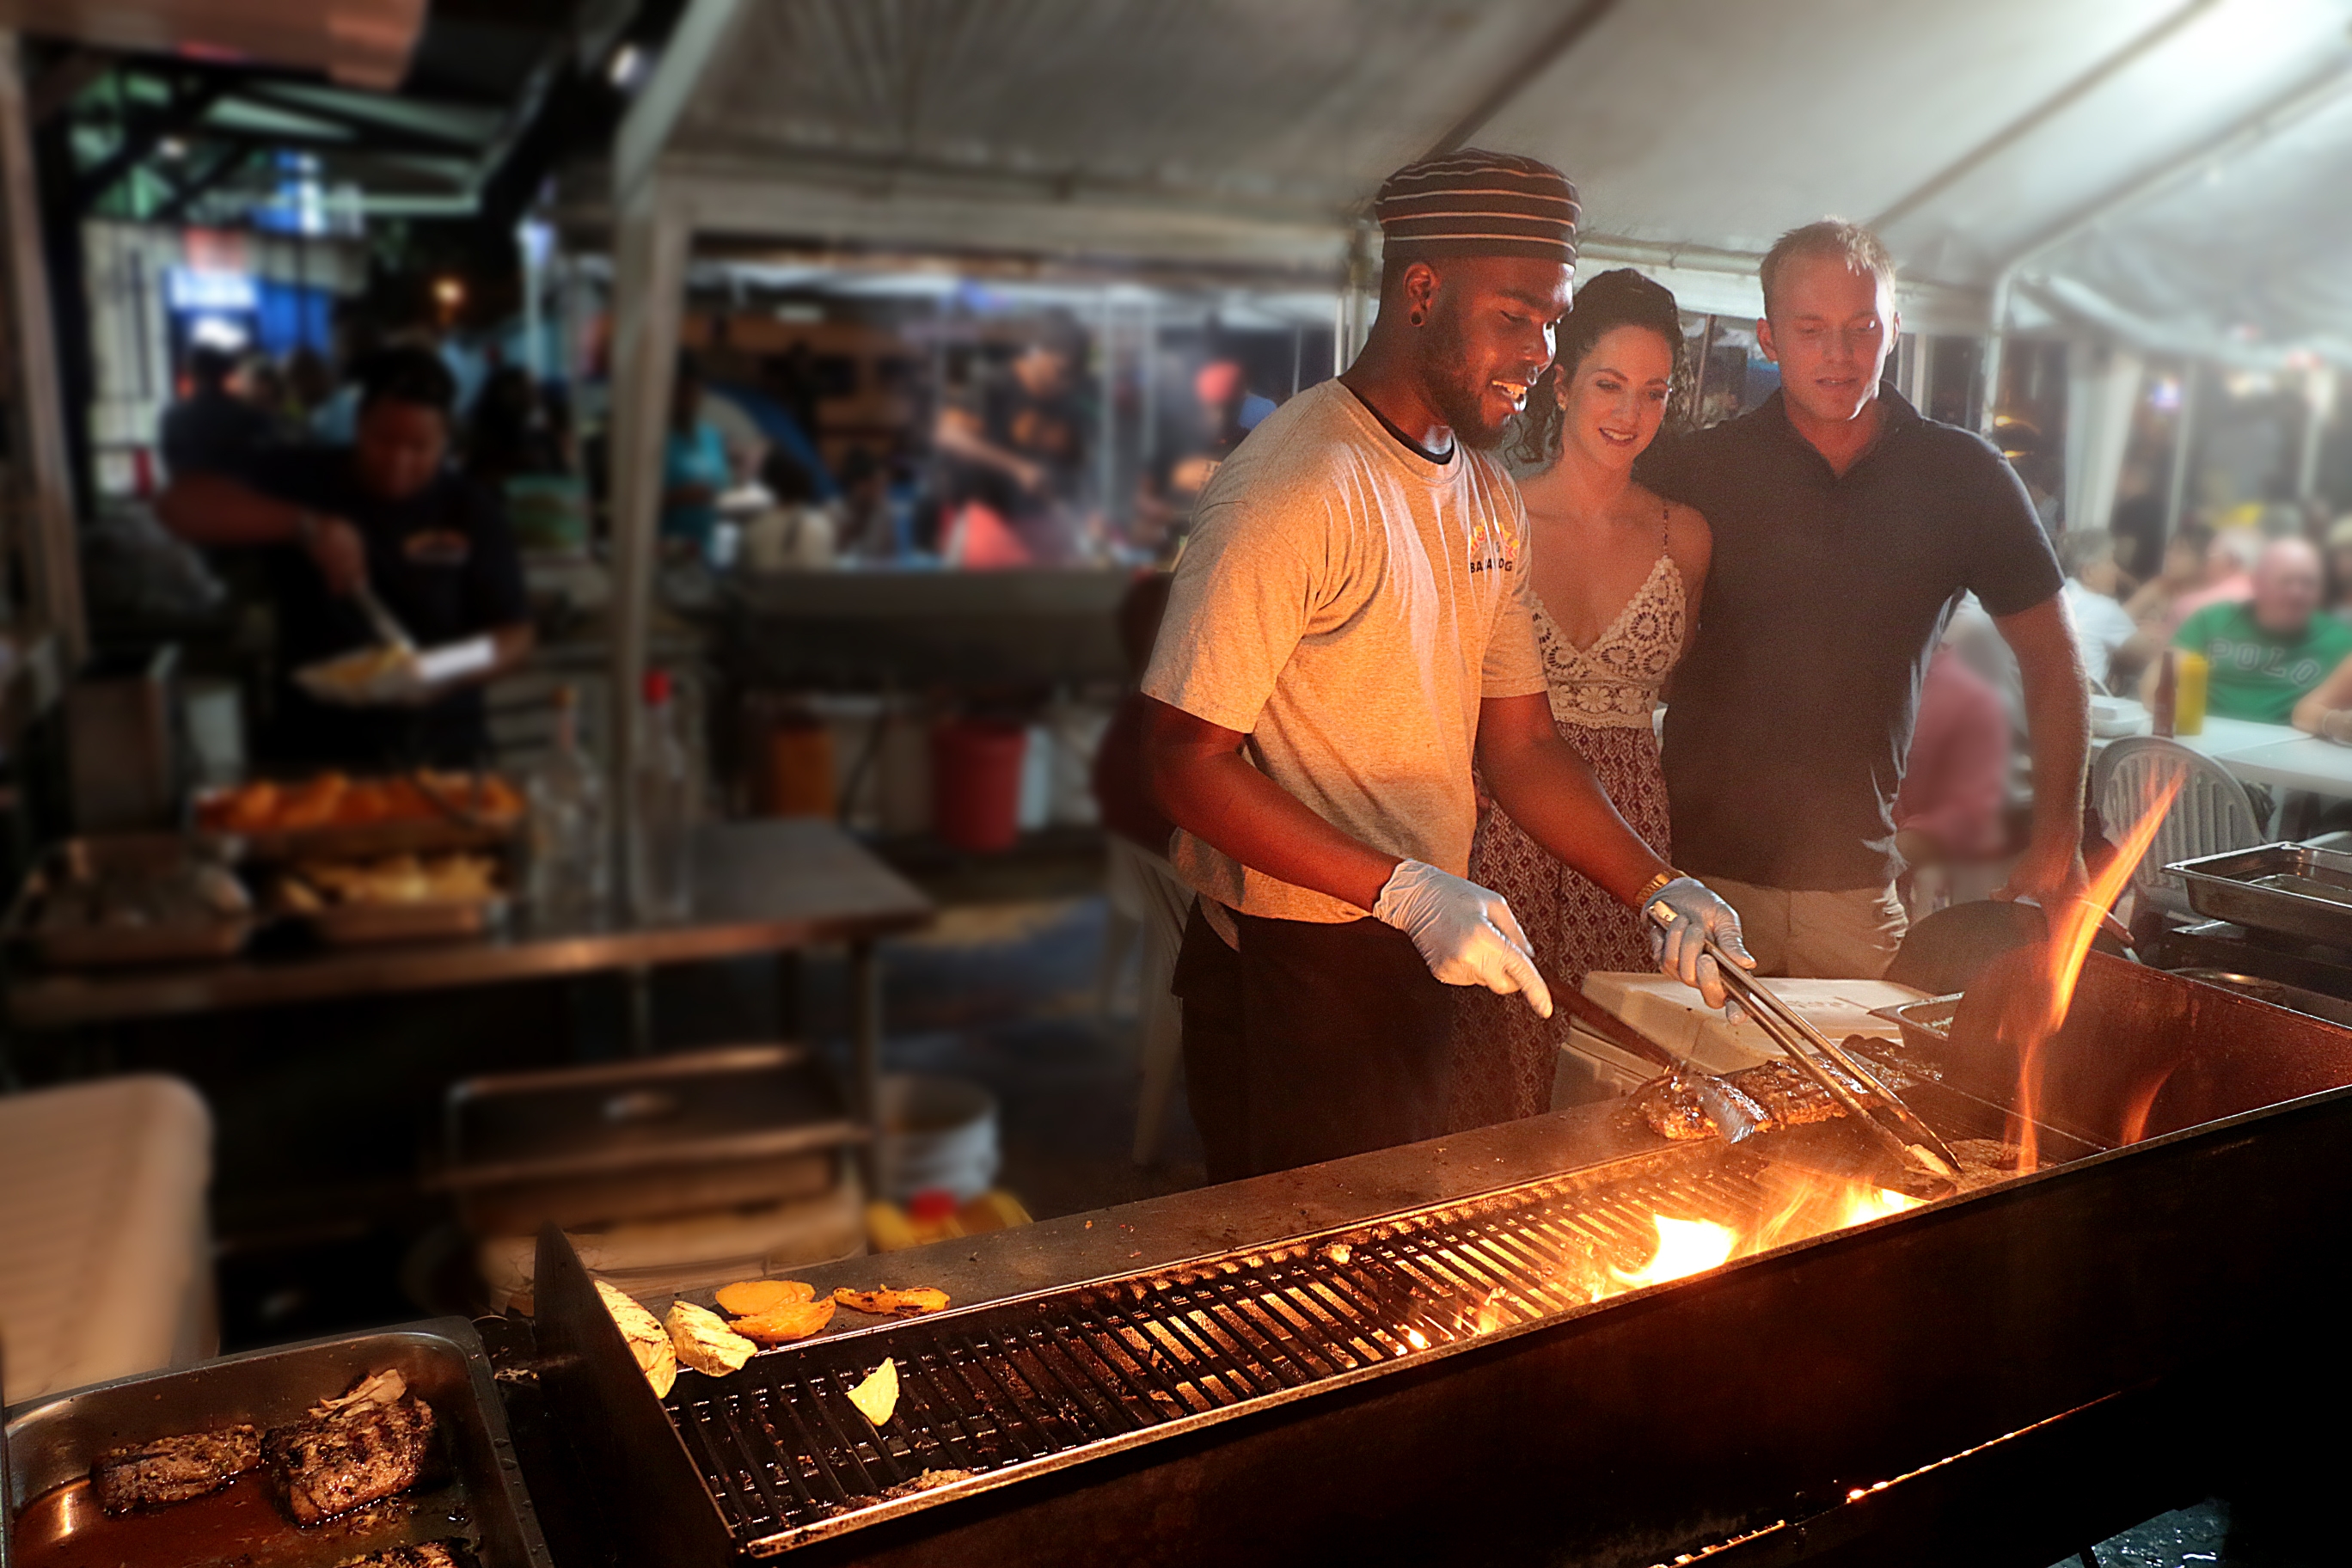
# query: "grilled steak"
{"type": "Point", "coordinates": [432, 1555]}
{"type": "Point", "coordinates": [355, 1455]}
{"type": "Point", "coordinates": [1780, 1094]}
{"type": "Point", "coordinates": [173, 1469]}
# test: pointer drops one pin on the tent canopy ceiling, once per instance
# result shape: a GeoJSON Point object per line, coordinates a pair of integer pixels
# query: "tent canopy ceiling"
{"type": "Point", "coordinates": [1697, 129]}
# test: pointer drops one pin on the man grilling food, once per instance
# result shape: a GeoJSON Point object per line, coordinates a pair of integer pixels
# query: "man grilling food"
{"type": "Point", "coordinates": [1348, 630]}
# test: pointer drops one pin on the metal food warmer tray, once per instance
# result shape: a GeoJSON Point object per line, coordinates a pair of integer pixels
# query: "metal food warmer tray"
{"type": "Point", "coordinates": [1379, 1353]}
{"type": "Point", "coordinates": [2295, 890]}
{"type": "Point", "coordinates": [50, 1441]}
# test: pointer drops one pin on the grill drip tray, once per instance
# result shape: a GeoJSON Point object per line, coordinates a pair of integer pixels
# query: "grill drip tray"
{"type": "Point", "coordinates": [998, 1392]}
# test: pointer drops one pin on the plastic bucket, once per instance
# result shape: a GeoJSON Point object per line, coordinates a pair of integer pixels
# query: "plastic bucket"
{"type": "Point", "coordinates": [976, 783]}
{"type": "Point", "coordinates": [799, 769]}
{"type": "Point", "coordinates": [938, 1134]}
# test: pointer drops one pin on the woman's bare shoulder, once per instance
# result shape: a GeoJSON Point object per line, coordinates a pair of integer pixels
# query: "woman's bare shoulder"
{"type": "Point", "coordinates": [1688, 539]}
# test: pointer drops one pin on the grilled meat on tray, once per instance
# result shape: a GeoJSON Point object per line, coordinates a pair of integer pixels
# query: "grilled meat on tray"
{"type": "Point", "coordinates": [1781, 1091]}
{"type": "Point", "coordinates": [173, 1470]}
{"type": "Point", "coordinates": [368, 1444]}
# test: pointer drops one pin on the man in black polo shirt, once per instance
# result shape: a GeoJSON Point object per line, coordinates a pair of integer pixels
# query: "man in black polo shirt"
{"type": "Point", "coordinates": [389, 511]}
{"type": "Point", "coordinates": [1846, 526]}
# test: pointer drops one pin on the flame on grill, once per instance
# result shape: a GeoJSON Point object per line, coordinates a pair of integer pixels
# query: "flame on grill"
{"type": "Point", "coordinates": [2032, 1017]}
{"type": "Point", "coordinates": [1685, 1247]}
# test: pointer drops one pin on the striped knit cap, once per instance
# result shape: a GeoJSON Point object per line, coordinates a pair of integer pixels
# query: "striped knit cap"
{"type": "Point", "coordinates": [1476, 203]}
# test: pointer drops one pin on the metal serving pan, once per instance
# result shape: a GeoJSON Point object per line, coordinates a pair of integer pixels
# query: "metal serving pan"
{"type": "Point", "coordinates": [2296, 889]}
{"type": "Point", "coordinates": [128, 857]}
{"type": "Point", "coordinates": [51, 1441]}
{"type": "Point", "coordinates": [429, 920]}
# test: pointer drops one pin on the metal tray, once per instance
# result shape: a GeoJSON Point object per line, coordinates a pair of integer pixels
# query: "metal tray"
{"type": "Point", "coordinates": [2295, 890]}
{"type": "Point", "coordinates": [119, 947]}
{"type": "Point", "coordinates": [617, 1140]}
{"type": "Point", "coordinates": [51, 1441]}
{"type": "Point", "coordinates": [1927, 1023]}
{"type": "Point", "coordinates": [437, 920]}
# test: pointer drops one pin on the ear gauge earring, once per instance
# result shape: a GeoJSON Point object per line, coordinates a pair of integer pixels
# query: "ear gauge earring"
{"type": "Point", "coordinates": [1414, 318]}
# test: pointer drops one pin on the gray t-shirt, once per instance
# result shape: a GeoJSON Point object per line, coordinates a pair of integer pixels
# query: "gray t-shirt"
{"type": "Point", "coordinates": [1347, 604]}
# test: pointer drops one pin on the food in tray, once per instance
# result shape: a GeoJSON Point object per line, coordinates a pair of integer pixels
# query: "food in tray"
{"type": "Point", "coordinates": [453, 878]}
{"type": "Point", "coordinates": [911, 1302]}
{"type": "Point", "coordinates": [173, 1470]}
{"type": "Point", "coordinates": [781, 1325]}
{"type": "Point", "coordinates": [355, 674]}
{"type": "Point", "coordinates": [878, 1396]}
{"type": "Point", "coordinates": [368, 1444]}
{"type": "Point", "coordinates": [1779, 1089]}
{"type": "Point", "coordinates": [430, 1554]}
{"type": "Point", "coordinates": [747, 1298]}
{"type": "Point", "coordinates": [648, 1342]}
{"type": "Point", "coordinates": [142, 897]}
{"type": "Point", "coordinates": [705, 1342]}
{"type": "Point", "coordinates": [337, 800]}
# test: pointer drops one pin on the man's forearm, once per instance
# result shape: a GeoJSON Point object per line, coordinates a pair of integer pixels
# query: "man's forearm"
{"type": "Point", "coordinates": [1230, 806]}
{"type": "Point", "coordinates": [2058, 727]}
{"type": "Point", "coordinates": [208, 509]}
{"type": "Point", "coordinates": [1550, 791]}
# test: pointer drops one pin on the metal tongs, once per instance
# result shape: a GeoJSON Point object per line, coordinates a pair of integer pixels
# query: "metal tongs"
{"type": "Point", "coordinates": [1894, 1125]}
{"type": "Point", "coordinates": [387, 626]}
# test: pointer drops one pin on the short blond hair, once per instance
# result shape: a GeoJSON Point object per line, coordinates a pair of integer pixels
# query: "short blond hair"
{"type": "Point", "coordinates": [1860, 251]}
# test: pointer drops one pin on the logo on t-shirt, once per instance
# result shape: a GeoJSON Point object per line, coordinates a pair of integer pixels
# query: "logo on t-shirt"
{"type": "Point", "coordinates": [438, 547]}
{"type": "Point", "coordinates": [1494, 545]}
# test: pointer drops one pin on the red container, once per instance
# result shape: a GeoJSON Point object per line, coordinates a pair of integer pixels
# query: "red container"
{"type": "Point", "coordinates": [976, 783]}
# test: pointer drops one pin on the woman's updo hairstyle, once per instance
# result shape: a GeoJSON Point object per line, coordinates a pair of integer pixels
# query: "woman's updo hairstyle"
{"type": "Point", "coordinates": [1620, 298]}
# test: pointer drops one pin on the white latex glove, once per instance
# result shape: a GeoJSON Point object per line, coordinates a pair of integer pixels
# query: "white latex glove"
{"type": "Point", "coordinates": [1467, 933]}
{"type": "Point", "coordinates": [1679, 942]}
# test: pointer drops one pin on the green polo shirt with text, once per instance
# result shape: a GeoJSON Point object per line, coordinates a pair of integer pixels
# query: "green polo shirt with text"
{"type": "Point", "coordinates": [2257, 674]}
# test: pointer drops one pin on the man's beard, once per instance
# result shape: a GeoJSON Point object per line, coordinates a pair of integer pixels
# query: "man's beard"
{"type": "Point", "coordinates": [1451, 384]}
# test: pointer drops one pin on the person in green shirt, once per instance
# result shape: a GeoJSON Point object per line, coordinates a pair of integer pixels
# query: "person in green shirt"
{"type": "Point", "coordinates": [2268, 653]}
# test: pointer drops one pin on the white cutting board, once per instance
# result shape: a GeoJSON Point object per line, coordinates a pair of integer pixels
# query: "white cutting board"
{"type": "Point", "coordinates": [1672, 1014]}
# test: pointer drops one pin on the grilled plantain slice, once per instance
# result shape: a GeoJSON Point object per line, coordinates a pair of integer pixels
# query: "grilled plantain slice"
{"type": "Point", "coordinates": [793, 1321]}
{"type": "Point", "coordinates": [878, 1396]}
{"type": "Point", "coordinates": [750, 1298]}
{"type": "Point", "coordinates": [912, 1301]}
{"type": "Point", "coordinates": [648, 1341]}
{"type": "Point", "coordinates": [705, 1342]}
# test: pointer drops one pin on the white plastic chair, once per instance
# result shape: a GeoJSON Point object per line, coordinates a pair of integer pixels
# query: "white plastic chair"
{"type": "Point", "coordinates": [1145, 889]}
{"type": "Point", "coordinates": [2214, 813]}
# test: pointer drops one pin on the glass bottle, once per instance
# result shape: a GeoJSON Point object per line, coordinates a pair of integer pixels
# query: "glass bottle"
{"type": "Point", "coordinates": [571, 861]}
{"type": "Point", "coordinates": [665, 783]}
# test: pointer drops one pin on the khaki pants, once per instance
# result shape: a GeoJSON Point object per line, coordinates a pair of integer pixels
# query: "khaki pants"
{"type": "Point", "coordinates": [1809, 935]}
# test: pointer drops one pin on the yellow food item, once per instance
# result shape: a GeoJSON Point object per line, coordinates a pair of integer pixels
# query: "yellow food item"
{"type": "Point", "coordinates": [878, 1396]}
{"type": "Point", "coordinates": [403, 879]}
{"type": "Point", "coordinates": [911, 1302]}
{"type": "Point", "coordinates": [749, 1298]}
{"type": "Point", "coordinates": [779, 1325]}
{"type": "Point", "coordinates": [705, 1342]}
{"type": "Point", "coordinates": [648, 1341]}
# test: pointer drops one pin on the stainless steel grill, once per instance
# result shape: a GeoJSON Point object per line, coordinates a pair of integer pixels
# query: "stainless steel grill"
{"type": "Point", "coordinates": [1019, 1385]}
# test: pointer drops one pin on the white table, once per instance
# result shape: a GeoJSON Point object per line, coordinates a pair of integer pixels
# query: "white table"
{"type": "Point", "coordinates": [2276, 754]}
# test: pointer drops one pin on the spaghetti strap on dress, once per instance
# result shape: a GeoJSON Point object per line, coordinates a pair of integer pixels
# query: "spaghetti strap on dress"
{"type": "Point", "coordinates": [1603, 697]}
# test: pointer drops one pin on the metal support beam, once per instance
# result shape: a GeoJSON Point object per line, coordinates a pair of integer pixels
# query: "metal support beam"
{"type": "Point", "coordinates": [1548, 52]}
{"type": "Point", "coordinates": [225, 161]}
{"type": "Point", "coordinates": [44, 495]}
{"type": "Point", "coordinates": [140, 134]}
{"type": "Point", "coordinates": [648, 297]}
{"type": "Point", "coordinates": [2041, 114]}
{"type": "Point", "coordinates": [2184, 432]}
{"type": "Point", "coordinates": [63, 81]}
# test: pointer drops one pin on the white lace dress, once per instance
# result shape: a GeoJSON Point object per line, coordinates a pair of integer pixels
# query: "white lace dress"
{"type": "Point", "coordinates": [1603, 697]}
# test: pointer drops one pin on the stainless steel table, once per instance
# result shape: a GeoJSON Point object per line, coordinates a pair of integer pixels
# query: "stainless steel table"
{"type": "Point", "coordinates": [760, 887]}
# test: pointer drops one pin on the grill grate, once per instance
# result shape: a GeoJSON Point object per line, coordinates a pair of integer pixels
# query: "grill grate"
{"type": "Point", "coordinates": [1031, 1382]}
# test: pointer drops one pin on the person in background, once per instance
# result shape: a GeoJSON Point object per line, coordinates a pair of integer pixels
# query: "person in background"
{"type": "Point", "coordinates": [794, 533]}
{"type": "Point", "coordinates": [1845, 523]}
{"type": "Point", "coordinates": [509, 435]}
{"type": "Point", "coordinates": [1955, 777]}
{"type": "Point", "coordinates": [212, 430]}
{"type": "Point", "coordinates": [2182, 571]}
{"type": "Point", "coordinates": [2339, 569]}
{"type": "Point", "coordinates": [1348, 632]}
{"type": "Point", "coordinates": [309, 382]}
{"type": "Point", "coordinates": [2228, 577]}
{"type": "Point", "coordinates": [2267, 653]}
{"type": "Point", "coordinates": [869, 524]}
{"type": "Point", "coordinates": [2019, 440]}
{"type": "Point", "coordinates": [387, 513]}
{"type": "Point", "coordinates": [1615, 577]}
{"type": "Point", "coordinates": [2113, 647]}
{"type": "Point", "coordinates": [2138, 523]}
{"type": "Point", "coordinates": [695, 470]}
{"type": "Point", "coordinates": [1223, 412]}
{"type": "Point", "coordinates": [1017, 447]}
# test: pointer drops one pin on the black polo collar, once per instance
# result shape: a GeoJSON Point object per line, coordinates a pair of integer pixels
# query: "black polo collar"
{"type": "Point", "coordinates": [1900, 419]}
